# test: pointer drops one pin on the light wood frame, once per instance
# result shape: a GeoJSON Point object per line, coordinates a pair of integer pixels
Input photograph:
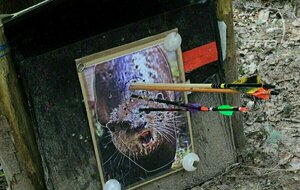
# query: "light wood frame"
{"type": "Point", "coordinates": [110, 54]}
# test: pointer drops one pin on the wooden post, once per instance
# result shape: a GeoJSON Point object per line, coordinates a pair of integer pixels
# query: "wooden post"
{"type": "Point", "coordinates": [19, 154]}
{"type": "Point", "coordinates": [225, 14]}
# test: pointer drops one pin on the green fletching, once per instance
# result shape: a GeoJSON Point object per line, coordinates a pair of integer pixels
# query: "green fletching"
{"type": "Point", "coordinates": [227, 113]}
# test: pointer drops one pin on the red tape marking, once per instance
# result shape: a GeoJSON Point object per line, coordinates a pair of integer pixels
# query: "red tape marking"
{"type": "Point", "coordinates": [200, 56]}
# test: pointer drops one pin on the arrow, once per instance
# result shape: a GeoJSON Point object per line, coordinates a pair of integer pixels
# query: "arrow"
{"type": "Point", "coordinates": [244, 82]}
{"type": "Point", "coordinates": [223, 109]}
{"type": "Point", "coordinates": [249, 85]}
{"type": "Point", "coordinates": [195, 88]}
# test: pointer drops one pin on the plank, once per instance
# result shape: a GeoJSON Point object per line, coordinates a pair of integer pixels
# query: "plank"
{"type": "Point", "coordinates": [213, 140]}
{"type": "Point", "coordinates": [53, 91]}
{"type": "Point", "coordinates": [24, 161]}
{"type": "Point", "coordinates": [225, 13]}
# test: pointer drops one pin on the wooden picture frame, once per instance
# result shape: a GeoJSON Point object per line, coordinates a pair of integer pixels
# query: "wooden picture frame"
{"type": "Point", "coordinates": [133, 147]}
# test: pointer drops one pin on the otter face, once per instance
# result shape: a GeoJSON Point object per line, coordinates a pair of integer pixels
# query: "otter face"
{"type": "Point", "coordinates": [138, 134]}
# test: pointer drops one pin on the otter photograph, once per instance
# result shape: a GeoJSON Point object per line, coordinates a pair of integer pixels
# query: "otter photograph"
{"type": "Point", "coordinates": [135, 146]}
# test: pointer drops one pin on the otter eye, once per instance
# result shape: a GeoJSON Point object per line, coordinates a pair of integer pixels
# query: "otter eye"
{"type": "Point", "coordinates": [159, 96]}
{"type": "Point", "coordinates": [125, 124]}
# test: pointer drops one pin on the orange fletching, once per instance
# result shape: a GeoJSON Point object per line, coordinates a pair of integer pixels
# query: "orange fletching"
{"type": "Point", "coordinates": [262, 94]}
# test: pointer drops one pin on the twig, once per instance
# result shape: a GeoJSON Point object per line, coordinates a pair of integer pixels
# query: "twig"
{"type": "Point", "coordinates": [283, 80]}
{"type": "Point", "coordinates": [280, 163]}
{"type": "Point", "coordinates": [291, 120]}
{"type": "Point", "coordinates": [283, 25]}
{"type": "Point", "coordinates": [272, 169]}
{"type": "Point", "coordinates": [230, 168]}
{"type": "Point", "coordinates": [227, 170]}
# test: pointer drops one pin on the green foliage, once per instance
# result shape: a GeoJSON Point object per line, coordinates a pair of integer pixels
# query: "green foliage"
{"type": "Point", "coordinates": [1, 173]}
{"type": "Point", "coordinates": [180, 154]}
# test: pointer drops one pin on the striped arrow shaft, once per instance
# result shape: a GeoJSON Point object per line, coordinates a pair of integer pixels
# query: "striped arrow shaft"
{"type": "Point", "coordinates": [224, 109]}
{"type": "Point", "coordinates": [185, 109]}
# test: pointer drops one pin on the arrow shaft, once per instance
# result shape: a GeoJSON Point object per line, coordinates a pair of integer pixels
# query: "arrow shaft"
{"type": "Point", "coordinates": [161, 109]}
{"type": "Point", "coordinates": [245, 85]}
{"type": "Point", "coordinates": [161, 101]}
{"type": "Point", "coordinates": [186, 88]}
{"type": "Point", "coordinates": [184, 109]}
{"type": "Point", "coordinates": [179, 87]}
{"type": "Point", "coordinates": [195, 87]}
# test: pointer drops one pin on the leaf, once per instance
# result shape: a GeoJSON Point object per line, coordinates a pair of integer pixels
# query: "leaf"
{"type": "Point", "coordinates": [2, 174]}
{"type": "Point", "coordinates": [286, 158]}
{"type": "Point", "coordinates": [296, 22]}
{"type": "Point", "coordinates": [263, 17]}
{"type": "Point", "coordinates": [274, 137]}
{"type": "Point", "coordinates": [295, 163]}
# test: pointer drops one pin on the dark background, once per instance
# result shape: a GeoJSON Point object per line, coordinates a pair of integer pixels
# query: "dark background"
{"type": "Point", "coordinates": [44, 44]}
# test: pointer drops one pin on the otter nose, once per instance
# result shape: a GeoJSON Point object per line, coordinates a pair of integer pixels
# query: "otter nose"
{"type": "Point", "coordinates": [140, 125]}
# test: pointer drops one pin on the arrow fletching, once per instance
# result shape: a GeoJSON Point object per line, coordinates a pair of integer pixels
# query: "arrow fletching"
{"type": "Point", "coordinates": [193, 108]}
{"type": "Point", "coordinates": [262, 93]}
{"type": "Point", "coordinates": [225, 107]}
{"type": "Point", "coordinates": [249, 80]}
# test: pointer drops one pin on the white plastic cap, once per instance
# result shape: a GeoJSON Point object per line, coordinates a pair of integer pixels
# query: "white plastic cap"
{"type": "Point", "coordinates": [172, 42]}
{"type": "Point", "coordinates": [189, 160]}
{"type": "Point", "coordinates": [112, 184]}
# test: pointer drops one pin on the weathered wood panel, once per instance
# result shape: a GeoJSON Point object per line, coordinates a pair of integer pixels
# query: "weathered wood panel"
{"type": "Point", "coordinates": [213, 142]}
{"type": "Point", "coordinates": [53, 91]}
{"type": "Point", "coordinates": [18, 151]}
